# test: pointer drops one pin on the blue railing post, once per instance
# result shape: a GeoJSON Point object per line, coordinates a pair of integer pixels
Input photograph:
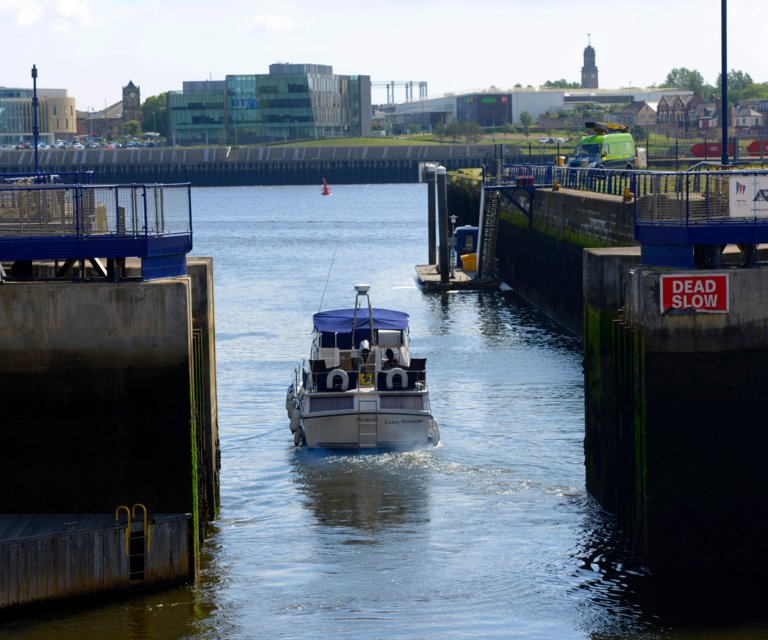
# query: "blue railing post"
{"type": "Point", "coordinates": [144, 200]}
{"type": "Point", "coordinates": [77, 201]}
{"type": "Point", "coordinates": [189, 208]}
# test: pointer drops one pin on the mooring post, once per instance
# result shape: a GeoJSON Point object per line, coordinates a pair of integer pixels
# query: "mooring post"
{"type": "Point", "coordinates": [430, 169]}
{"type": "Point", "coordinates": [444, 266]}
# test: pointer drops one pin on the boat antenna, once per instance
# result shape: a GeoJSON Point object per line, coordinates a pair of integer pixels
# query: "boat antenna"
{"type": "Point", "coordinates": [333, 257]}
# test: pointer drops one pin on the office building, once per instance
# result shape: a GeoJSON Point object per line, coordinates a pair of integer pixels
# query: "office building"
{"type": "Point", "coordinates": [291, 102]}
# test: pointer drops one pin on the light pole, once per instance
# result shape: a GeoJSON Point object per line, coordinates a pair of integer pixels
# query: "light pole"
{"type": "Point", "coordinates": [35, 130]}
{"type": "Point", "coordinates": [724, 80]}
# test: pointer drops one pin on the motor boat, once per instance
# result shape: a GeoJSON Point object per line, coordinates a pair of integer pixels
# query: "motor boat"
{"type": "Point", "coordinates": [362, 388]}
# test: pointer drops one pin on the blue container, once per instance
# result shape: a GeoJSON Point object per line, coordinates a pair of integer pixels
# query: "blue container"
{"type": "Point", "coordinates": [465, 241]}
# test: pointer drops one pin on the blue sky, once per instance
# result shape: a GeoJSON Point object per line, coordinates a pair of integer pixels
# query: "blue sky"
{"type": "Point", "coordinates": [94, 47]}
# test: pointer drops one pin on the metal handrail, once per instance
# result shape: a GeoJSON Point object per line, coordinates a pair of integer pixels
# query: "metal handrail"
{"type": "Point", "coordinates": [80, 210]}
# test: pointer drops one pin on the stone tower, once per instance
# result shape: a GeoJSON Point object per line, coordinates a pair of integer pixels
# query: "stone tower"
{"type": "Point", "coordinates": [589, 70]}
{"type": "Point", "coordinates": [131, 102]}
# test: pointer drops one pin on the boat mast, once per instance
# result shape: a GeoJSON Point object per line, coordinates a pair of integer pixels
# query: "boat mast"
{"type": "Point", "coordinates": [362, 290]}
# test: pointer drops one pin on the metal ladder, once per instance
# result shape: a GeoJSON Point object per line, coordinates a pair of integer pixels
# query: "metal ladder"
{"type": "Point", "coordinates": [137, 543]}
{"type": "Point", "coordinates": [367, 423]}
{"type": "Point", "coordinates": [489, 223]}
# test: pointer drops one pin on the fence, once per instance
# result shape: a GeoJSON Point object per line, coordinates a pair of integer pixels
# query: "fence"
{"type": "Point", "coordinates": [88, 210]}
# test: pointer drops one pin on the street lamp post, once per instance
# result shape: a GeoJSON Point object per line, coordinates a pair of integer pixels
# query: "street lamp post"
{"type": "Point", "coordinates": [35, 130]}
{"type": "Point", "coordinates": [724, 80]}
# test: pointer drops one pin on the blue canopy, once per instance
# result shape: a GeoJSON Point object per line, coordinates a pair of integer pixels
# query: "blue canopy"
{"type": "Point", "coordinates": [335, 327]}
{"type": "Point", "coordinates": [340, 320]}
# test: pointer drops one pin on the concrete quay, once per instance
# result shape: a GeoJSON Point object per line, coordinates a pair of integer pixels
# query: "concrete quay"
{"type": "Point", "coordinates": [265, 165]}
{"type": "Point", "coordinates": [109, 420]}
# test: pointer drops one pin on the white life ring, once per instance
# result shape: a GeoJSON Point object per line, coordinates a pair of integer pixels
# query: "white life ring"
{"type": "Point", "coordinates": [295, 420]}
{"type": "Point", "coordinates": [397, 371]}
{"type": "Point", "coordinates": [337, 372]}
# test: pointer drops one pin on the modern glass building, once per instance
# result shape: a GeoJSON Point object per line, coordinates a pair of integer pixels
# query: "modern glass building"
{"type": "Point", "coordinates": [292, 102]}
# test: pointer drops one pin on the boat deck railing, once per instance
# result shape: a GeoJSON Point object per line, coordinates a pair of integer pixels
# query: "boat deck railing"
{"type": "Point", "coordinates": [322, 377]}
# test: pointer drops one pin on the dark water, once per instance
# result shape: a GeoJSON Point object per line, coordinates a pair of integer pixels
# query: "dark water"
{"type": "Point", "coordinates": [490, 535]}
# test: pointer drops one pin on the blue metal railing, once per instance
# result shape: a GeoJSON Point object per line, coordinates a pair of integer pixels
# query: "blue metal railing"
{"type": "Point", "coordinates": [47, 210]}
{"type": "Point", "coordinates": [702, 206]}
{"type": "Point", "coordinates": [72, 222]}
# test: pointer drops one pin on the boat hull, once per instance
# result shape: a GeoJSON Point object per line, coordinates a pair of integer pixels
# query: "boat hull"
{"type": "Point", "coordinates": [372, 430]}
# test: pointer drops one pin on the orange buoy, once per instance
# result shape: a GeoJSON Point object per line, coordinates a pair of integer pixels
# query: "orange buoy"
{"type": "Point", "coordinates": [326, 190]}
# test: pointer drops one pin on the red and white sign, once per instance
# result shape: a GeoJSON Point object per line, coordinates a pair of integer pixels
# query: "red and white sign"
{"type": "Point", "coordinates": [700, 293]}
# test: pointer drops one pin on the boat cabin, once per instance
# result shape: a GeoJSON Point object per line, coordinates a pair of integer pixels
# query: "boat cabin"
{"type": "Point", "coordinates": [351, 349]}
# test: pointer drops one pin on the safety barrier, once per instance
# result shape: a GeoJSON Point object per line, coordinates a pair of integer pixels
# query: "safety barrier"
{"type": "Point", "coordinates": [80, 222]}
{"type": "Point", "coordinates": [35, 210]}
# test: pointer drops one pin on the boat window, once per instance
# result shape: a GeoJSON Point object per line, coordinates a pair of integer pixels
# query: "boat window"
{"type": "Point", "coordinates": [401, 402]}
{"type": "Point", "coordinates": [334, 403]}
{"type": "Point", "coordinates": [389, 338]}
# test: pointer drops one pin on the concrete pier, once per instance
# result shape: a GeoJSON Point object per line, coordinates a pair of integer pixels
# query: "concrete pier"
{"type": "Point", "coordinates": [108, 399]}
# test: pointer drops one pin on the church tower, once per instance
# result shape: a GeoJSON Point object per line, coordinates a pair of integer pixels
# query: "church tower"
{"type": "Point", "coordinates": [131, 102]}
{"type": "Point", "coordinates": [589, 70]}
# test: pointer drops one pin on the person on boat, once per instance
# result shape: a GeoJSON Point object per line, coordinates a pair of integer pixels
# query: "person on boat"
{"type": "Point", "coordinates": [364, 351]}
{"type": "Point", "coordinates": [391, 361]}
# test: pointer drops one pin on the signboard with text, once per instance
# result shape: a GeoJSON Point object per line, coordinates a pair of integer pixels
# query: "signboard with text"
{"type": "Point", "coordinates": [748, 196]}
{"type": "Point", "coordinates": [686, 293]}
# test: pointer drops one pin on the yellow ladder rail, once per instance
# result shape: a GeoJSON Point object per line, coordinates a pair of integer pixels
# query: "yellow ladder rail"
{"type": "Point", "coordinates": [127, 526]}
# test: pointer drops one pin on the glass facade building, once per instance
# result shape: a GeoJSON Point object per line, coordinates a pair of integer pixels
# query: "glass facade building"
{"type": "Point", "coordinates": [292, 102]}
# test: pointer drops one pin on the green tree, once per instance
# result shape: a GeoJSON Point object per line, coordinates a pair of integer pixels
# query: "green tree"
{"type": "Point", "coordinates": [739, 84]}
{"type": "Point", "coordinates": [474, 132]}
{"type": "Point", "coordinates": [154, 114]}
{"type": "Point", "coordinates": [526, 120]}
{"type": "Point", "coordinates": [737, 80]}
{"type": "Point", "coordinates": [755, 91]}
{"type": "Point", "coordinates": [561, 84]}
{"type": "Point", "coordinates": [454, 129]}
{"type": "Point", "coordinates": [682, 78]}
{"type": "Point", "coordinates": [132, 128]}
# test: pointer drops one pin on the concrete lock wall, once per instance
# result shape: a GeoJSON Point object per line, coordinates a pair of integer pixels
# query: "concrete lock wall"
{"type": "Point", "coordinates": [674, 404]}
{"type": "Point", "coordinates": [95, 396]}
{"type": "Point", "coordinates": [200, 272]}
{"type": "Point", "coordinates": [540, 255]}
{"type": "Point", "coordinates": [699, 428]}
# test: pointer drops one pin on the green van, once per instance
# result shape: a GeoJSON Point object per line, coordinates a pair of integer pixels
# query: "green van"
{"type": "Point", "coordinates": [610, 147]}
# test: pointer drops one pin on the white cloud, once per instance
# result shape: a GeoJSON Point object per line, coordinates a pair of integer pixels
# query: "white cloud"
{"type": "Point", "coordinates": [23, 14]}
{"type": "Point", "coordinates": [77, 10]}
{"type": "Point", "coordinates": [277, 16]}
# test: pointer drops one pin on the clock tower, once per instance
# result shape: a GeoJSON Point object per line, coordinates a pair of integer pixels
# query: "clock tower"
{"type": "Point", "coordinates": [589, 70]}
{"type": "Point", "coordinates": [131, 102]}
